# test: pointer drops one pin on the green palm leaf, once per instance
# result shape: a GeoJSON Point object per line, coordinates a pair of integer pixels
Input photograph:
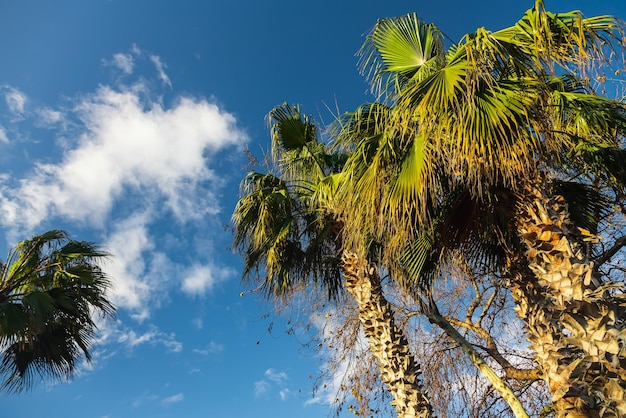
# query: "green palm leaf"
{"type": "Point", "coordinates": [50, 289]}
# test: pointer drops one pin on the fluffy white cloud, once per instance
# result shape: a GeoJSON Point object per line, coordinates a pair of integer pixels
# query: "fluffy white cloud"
{"type": "Point", "coordinates": [201, 279]}
{"type": "Point", "coordinates": [127, 146]}
{"type": "Point", "coordinates": [140, 273]}
{"type": "Point", "coordinates": [128, 245]}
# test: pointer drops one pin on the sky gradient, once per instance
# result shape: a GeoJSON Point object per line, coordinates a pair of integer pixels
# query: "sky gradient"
{"type": "Point", "coordinates": [125, 123]}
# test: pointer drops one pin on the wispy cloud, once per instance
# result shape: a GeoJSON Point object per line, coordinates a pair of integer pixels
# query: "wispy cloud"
{"type": "Point", "coordinates": [150, 398]}
{"type": "Point", "coordinates": [274, 380]}
{"type": "Point", "coordinates": [3, 135]}
{"type": "Point", "coordinates": [275, 376]}
{"type": "Point", "coordinates": [261, 388]}
{"type": "Point", "coordinates": [173, 399]}
{"type": "Point", "coordinates": [131, 339]}
{"type": "Point", "coordinates": [116, 337]}
{"type": "Point", "coordinates": [124, 62]}
{"type": "Point", "coordinates": [15, 100]}
{"type": "Point", "coordinates": [49, 117]}
{"type": "Point", "coordinates": [160, 67]}
{"type": "Point", "coordinates": [211, 348]}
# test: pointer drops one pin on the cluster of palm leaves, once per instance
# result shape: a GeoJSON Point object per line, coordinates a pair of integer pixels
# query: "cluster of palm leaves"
{"type": "Point", "coordinates": [495, 150]}
{"type": "Point", "coordinates": [50, 289]}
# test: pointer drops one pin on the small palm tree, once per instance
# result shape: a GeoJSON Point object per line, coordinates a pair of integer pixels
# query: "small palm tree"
{"type": "Point", "coordinates": [501, 115]}
{"type": "Point", "coordinates": [50, 289]}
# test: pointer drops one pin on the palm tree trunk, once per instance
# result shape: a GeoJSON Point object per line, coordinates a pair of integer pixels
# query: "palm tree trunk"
{"type": "Point", "coordinates": [398, 368]}
{"type": "Point", "coordinates": [575, 326]}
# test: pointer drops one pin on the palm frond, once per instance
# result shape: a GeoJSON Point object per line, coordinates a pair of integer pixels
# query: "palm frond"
{"type": "Point", "coordinates": [50, 289]}
{"type": "Point", "coordinates": [296, 148]}
{"type": "Point", "coordinates": [399, 50]}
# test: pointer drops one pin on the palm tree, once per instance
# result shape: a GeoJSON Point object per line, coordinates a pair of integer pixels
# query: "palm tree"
{"type": "Point", "coordinates": [50, 289]}
{"type": "Point", "coordinates": [413, 258]}
{"type": "Point", "coordinates": [288, 231]}
{"type": "Point", "coordinates": [501, 115]}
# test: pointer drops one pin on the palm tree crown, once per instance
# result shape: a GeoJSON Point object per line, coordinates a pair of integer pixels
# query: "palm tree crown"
{"type": "Point", "coordinates": [50, 289]}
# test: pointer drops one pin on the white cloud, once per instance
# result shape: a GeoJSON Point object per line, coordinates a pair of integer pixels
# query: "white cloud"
{"type": "Point", "coordinates": [172, 345]}
{"type": "Point", "coordinates": [261, 388]}
{"type": "Point", "coordinates": [116, 337]}
{"type": "Point", "coordinates": [275, 376]}
{"type": "Point", "coordinates": [201, 279]}
{"type": "Point", "coordinates": [173, 399]}
{"type": "Point", "coordinates": [3, 135]}
{"type": "Point", "coordinates": [272, 379]}
{"type": "Point", "coordinates": [160, 67]}
{"type": "Point", "coordinates": [284, 393]}
{"type": "Point", "coordinates": [126, 268]}
{"type": "Point", "coordinates": [211, 348]}
{"type": "Point", "coordinates": [15, 100]}
{"type": "Point", "coordinates": [152, 336]}
{"type": "Point", "coordinates": [49, 117]}
{"type": "Point", "coordinates": [127, 146]}
{"type": "Point", "coordinates": [124, 62]}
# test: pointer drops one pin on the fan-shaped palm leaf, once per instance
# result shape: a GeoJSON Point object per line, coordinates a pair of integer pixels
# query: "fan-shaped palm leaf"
{"type": "Point", "coordinates": [50, 288]}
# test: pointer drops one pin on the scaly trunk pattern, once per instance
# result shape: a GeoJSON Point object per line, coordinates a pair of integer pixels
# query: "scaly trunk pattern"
{"type": "Point", "coordinates": [397, 366]}
{"type": "Point", "coordinates": [576, 328]}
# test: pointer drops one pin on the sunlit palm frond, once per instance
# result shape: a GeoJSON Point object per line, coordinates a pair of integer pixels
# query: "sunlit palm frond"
{"type": "Point", "coordinates": [563, 41]}
{"type": "Point", "coordinates": [400, 50]}
{"type": "Point", "coordinates": [296, 148]}
{"type": "Point", "coordinates": [385, 174]}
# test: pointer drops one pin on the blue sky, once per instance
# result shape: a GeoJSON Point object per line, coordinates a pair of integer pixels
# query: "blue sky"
{"type": "Point", "coordinates": [124, 122]}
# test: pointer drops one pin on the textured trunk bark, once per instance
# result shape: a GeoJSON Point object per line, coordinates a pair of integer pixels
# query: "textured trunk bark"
{"type": "Point", "coordinates": [574, 325]}
{"type": "Point", "coordinates": [397, 366]}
